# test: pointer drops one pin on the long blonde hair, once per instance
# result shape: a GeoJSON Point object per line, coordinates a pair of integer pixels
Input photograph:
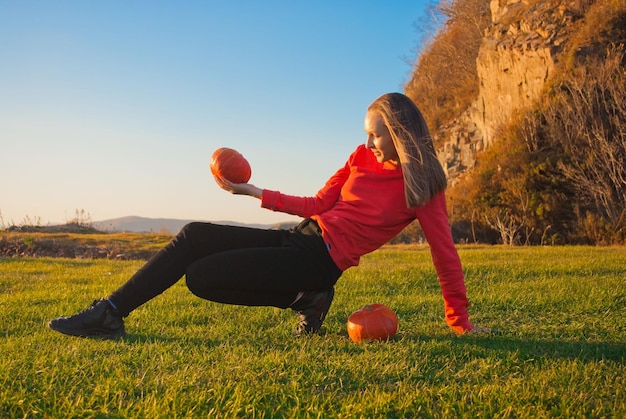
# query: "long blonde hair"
{"type": "Point", "coordinates": [423, 174]}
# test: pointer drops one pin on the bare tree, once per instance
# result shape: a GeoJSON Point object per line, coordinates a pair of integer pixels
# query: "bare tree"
{"type": "Point", "coordinates": [505, 223]}
{"type": "Point", "coordinates": [588, 120]}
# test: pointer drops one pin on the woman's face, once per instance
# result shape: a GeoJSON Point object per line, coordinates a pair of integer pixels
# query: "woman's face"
{"type": "Point", "coordinates": [379, 139]}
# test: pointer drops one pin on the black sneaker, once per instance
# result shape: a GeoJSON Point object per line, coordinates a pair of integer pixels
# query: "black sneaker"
{"type": "Point", "coordinates": [311, 309]}
{"type": "Point", "coordinates": [99, 320]}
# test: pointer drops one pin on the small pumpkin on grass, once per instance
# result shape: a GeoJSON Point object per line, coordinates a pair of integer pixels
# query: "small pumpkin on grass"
{"type": "Point", "coordinates": [372, 322]}
{"type": "Point", "coordinates": [231, 165]}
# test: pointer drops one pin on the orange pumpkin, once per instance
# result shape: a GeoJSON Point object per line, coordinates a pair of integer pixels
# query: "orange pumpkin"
{"type": "Point", "coordinates": [231, 165]}
{"type": "Point", "coordinates": [372, 322]}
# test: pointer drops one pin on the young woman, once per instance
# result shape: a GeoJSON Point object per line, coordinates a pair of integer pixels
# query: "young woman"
{"type": "Point", "coordinates": [387, 183]}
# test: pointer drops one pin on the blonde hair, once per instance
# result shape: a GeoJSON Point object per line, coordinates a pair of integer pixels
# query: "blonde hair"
{"type": "Point", "coordinates": [423, 174]}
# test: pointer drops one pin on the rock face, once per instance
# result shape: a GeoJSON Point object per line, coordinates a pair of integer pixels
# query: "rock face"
{"type": "Point", "coordinates": [516, 59]}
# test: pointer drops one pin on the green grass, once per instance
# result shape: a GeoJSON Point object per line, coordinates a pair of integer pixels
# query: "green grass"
{"type": "Point", "coordinates": [563, 353]}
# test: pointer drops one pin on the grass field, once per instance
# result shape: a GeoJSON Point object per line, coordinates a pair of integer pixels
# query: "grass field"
{"type": "Point", "coordinates": [563, 353]}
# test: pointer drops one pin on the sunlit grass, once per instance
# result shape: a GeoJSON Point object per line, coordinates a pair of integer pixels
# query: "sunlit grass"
{"type": "Point", "coordinates": [563, 353]}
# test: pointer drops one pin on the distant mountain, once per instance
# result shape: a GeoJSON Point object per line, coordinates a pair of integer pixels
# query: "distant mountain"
{"type": "Point", "coordinates": [161, 225]}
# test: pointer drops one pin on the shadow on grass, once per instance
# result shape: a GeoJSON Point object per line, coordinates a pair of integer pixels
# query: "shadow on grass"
{"type": "Point", "coordinates": [528, 348]}
{"type": "Point", "coordinates": [480, 345]}
{"type": "Point", "coordinates": [533, 348]}
{"type": "Point", "coordinates": [135, 338]}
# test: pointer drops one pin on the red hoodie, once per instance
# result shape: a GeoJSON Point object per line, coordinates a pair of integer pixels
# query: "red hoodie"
{"type": "Point", "coordinates": [362, 207]}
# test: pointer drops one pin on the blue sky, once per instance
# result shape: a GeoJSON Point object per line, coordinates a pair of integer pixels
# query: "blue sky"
{"type": "Point", "coordinates": [115, 107]}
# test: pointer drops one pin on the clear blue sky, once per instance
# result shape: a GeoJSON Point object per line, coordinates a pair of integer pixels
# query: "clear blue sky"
{"type": "Point", "coordinates": [115, 107]}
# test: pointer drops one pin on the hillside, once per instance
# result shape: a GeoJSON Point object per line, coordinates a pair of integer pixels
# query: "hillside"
{"type": "Point", "coordinates": [156, 225]}
{"type": "Point", "coordinates": [514, 58]}
{"type": "Point", "coordinates": [526, 103]}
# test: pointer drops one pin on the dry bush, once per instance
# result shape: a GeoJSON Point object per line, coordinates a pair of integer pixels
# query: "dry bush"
{"type": "Point", "coordinates": [587, 118]}
{"type": "Point", "coordinates": [605, 23]}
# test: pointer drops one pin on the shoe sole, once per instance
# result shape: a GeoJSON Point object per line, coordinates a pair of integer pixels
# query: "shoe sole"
{"type": "Point", "coordinates": [89, 333]}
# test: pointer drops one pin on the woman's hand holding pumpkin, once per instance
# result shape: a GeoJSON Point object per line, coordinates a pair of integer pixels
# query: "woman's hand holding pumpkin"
{"type": "Point", "coordinates": [239, 188]}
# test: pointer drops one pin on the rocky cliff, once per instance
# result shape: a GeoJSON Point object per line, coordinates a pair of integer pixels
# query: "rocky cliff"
{"type": "Point", "coordinates": [516, 59]}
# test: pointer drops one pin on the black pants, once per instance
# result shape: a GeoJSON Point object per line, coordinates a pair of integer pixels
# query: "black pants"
{"type": "Point", "coordinates": [235, 265]}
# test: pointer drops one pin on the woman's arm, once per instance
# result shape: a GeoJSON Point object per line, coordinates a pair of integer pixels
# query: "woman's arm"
{"type": "Point", "coordinates": [295, 205]}
{"type": "Point", "coordinates": [298, 205]}
{"type": "Point", "coordinates": [307, 206]}
{"type": "Point", "coordinates": [433, 218]}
